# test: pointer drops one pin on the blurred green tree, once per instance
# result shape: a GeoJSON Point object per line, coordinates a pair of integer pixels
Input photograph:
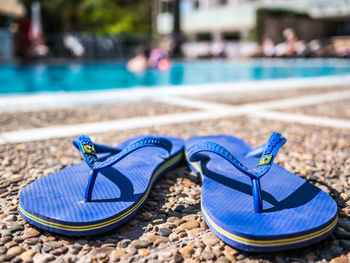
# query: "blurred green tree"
{"type": "Point", "coordinates": [112, 16]}
{"type": "Point", "coordinates": [95, 16]}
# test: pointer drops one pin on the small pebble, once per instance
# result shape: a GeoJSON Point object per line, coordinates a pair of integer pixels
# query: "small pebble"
{"type": "Point", "coordinates": [146, 216]}
{"type": "Point", "coordinates": [344, 196]}
{"type": "Point", "coordinates": [158, 221]}
{"type": "Point", "coordinates": [342, 234]}
{"type": "Point", "coordinates": [76, 249]}
{"type": "Point", "coordinates": [210, 239]}
{"type": "Point", "coordinates": [222, 260]}
{"type": "Point", "coordinates": [189, 225]}
{"type": "Point", "coordinates": [187, 251]}
{"type": "Point", "coordinates": [340, 259]}
{"type": "Point", "coordinates": [14, 251]}
{"type": "Point", "coordinates": [208, 255]}
{"type": "Point", "coordinates": [31, 232]}
{"type": "Point", "coordinates": [178, 258]}
{"type": "Point", "coordinates": [143, 252]}
{"type": "Point", "coordinates": [37, 248]}
{"type": "Point", "coordinates": [32, 241]}
{"type": "Point", "coordinates": [173, 237]}
{"type": "Point", "coordinates": [27, 256]}
{"type": "Point", "coordinates": [123, 243]}
{"type": "Point", "coordinates": [15, 228]}
{"type": "Point", "coordinates": [141, 243]}
{"type": "Point", "coordinates": [46, 249]}
{"type": "Point", "coordinates": [160, 240]}
{"type": "Point", "coordinates": [131, 250]}
{"type": "Point", "coordinates": [10, 218]}
{"type": "Point", "coordinates": [117, 254]}
{"type": "Point", "coordinates": [164, 232]}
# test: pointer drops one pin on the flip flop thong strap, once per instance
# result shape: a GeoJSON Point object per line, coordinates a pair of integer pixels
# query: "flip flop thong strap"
{"type": "Point", "coordinates": [88, 150]}
{"type": "Point", "coordinates": [270, 151]}
{"type": "Point", "coordinates": [256, 152]}
{"type": "Point", "coordinates": [101, 148]}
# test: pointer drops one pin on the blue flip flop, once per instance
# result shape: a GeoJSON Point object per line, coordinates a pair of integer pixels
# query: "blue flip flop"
{"type": "Point", "coordinates": [253, 204]}
{"type": "Point", "coordinates": [103, 192]}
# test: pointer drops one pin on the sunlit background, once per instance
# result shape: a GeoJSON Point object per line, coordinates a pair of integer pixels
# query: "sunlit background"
{"type": "Point", "coordinates": [116, 69]}
{"type": "Point", "coordinates": [63, 45]}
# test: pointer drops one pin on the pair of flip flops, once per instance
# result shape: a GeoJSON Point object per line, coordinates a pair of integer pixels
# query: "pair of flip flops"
{"type": "Point", "coordinates": [247, 201]}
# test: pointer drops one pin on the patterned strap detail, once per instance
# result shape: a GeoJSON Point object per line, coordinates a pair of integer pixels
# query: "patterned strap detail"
{"type": "Point", "coordinates": [275, 142]}
{"type": "Point", "coordinates": [256, 152]}
{"type": "Point", "coordinates": [84, 144]}
{"type": "Point", "coordinates": [101, 148]}
{"type": "Point", "coordinates": [88, 150]}
{"type": "Point", "coordinates": [271, 148]}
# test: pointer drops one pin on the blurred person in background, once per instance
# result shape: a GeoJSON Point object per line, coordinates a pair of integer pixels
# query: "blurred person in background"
{"type": "Point", "coordinates": [159, 56]}
{"type": "Point", "coordinates": [291, 42]}
{"type": "Point", "coordinates": [217, 49]}
{"type": "Point", "coordinates": [268, 47]}
{"type": "Point", "coordinates": [342, 47]}
{"type": "Point", "coordinates": [315, 49]}
{"type": "Point", "coordinates": [292, 46]}
{"type": "Point", "coordinates": [139, 63]}
{"type": "Point", "coordinates": [329, 50]}
{"type": "Point", "coordinates": [21, 38]}
{"type": "Point", "coordinates": [38, 47]}
{"type": "Point", "coordinates": [73, 45]}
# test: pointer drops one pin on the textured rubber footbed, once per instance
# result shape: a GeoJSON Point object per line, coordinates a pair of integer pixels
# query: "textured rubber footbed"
{"type": "Point", "coordinates": [59, 197]}
{"type": "Point", "coordinates": [292, 206]}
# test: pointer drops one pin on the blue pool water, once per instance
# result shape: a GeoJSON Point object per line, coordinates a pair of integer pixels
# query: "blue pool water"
{"type": "Point", "coordinates": [97, 76]}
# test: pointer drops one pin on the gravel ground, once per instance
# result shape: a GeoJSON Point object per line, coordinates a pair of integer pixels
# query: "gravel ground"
{"type": "Point", "coordinates": [252, 97]}
{"type": "Point", "coordinates": [339, 109]}
{"type": "Point", "coordinates": [170, 226]}
{"type": "Point", "coordinates": [16, 120]}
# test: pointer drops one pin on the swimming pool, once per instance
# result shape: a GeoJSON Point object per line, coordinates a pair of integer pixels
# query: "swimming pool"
{"type": "Point", "coordinates": [29, 79]}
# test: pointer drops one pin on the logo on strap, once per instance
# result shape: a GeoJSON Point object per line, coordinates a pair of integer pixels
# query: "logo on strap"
{"type": "Point", "coordinates": [266, 159]}
{"type": "Point", "coordinates": [89, 149]}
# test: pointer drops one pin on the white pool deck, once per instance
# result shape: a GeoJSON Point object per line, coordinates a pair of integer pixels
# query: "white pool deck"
{"type": "Point", "coordinates": [178, 95]}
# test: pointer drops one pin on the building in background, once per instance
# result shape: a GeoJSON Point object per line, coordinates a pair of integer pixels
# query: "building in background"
{"type": "Point", "coordinates": [310, 19]}
{"type": "Point", "coordinates": [252, 20]}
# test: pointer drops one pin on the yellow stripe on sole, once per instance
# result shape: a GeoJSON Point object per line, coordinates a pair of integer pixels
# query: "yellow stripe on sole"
{"type": "Point", "coordinates": [196, 166]}
{"type": "Point", "coordinates": [269, 243]}
{"type": "Point", "coordinates": [111, 221]}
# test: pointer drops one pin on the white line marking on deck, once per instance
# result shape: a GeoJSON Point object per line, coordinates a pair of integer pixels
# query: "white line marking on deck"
{"type": "Point", "coordinates": [208, 111]}
{"type": "Point", "coordinates": [2, 140]}
{"type": "Point", "coordinates": [107, 126]}
{"type": "Point", "coordinates": [193, 103]}
{"type": "Point", "coordinates": [303, 119]}
{"type": "Point", "coordinates": [274, 104]}
{"type": "Point", "coordinates": [302, 100]}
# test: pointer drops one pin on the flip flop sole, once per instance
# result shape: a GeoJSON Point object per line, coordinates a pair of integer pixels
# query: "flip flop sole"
{"type": "Point", "coordinates": [259, 245]}
{"type": "Point", "coordinates": [296, 213]}
{"type": "Point", "coordinates": [55, 202]}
